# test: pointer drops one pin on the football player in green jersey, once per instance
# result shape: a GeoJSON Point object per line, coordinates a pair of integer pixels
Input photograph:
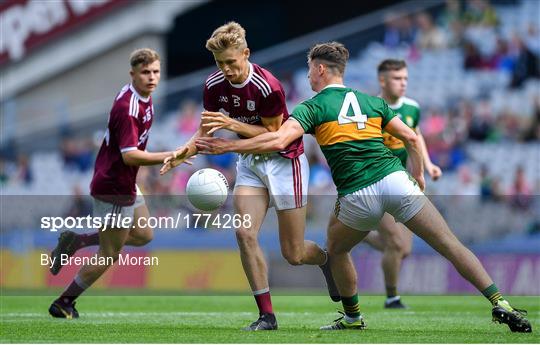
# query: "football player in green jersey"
{"type": "Point", "coordinates": [370, 180]}
{"type": "Point", "coordinates": [392, 240]}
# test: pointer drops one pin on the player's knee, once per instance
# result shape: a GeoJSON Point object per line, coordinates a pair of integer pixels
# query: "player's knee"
{"type": "Point", "coordinates": [148, 237]}
{"type": "Point", "coordinates": [144, 237]}
{"type": "Point", "coordinates": [114, 255]}
{"type": "Point", "coordinates": [294, 256]}
{"type": "Point", "coordinates": [406, 251]}
{"type": "Point", "coordinates": [401, 249]}
{"type": "Point", "coordinates": [246, 238]}
{"type": "Point", "coordinates": [334, 248]}
{"type": "Point", "coordinates": [294, 260]}
{"type": "Point", "coordinates": [111, 252]}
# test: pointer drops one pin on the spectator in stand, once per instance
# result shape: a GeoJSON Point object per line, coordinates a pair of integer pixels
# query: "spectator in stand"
{"type": "Point", "coordinates": [24, 174]}
{"type": "Point", "coordinates": [399, 29]}
{"type": "Point", "coordinates": [4, 177]}
{"type": "Point", "coordinates": [473, 59]}
{"type": "Point", "coordinates": [433, 127]}
{"type": "Point", "coordinates": [501, 59]}
{"type": "Point", "coordinates": [81, 205]}
{"type": "Point", "coordinates": [468, 185]}
{"type": "Point", "coordinates": [407, 30]}
{"type": "Point", "coordinates": [78, 154]}
{"type": "Point", "coordinates": [391, 32]}
{"type": "Point", "coordinates": [481, 13]}
{"type": "Point", "coordinates": [179, 180]}
{"type": "Point", "coordinates": [429, 36]}
{"type": "Point", "coordinates": [526, 63]}
{"type": "Point", "coordinates": [482, 125]}
{"type": "Point", "coordinates": [460, 119]}
{"type": "Point", "coordinates": [532, 38]}
{"type": "Point", "coordinates": [451, 22]}
{"type": "Point", "coordinates": [490, 189]}
{"type": "Point", "coordinates": [320, 179]}
{"type": "Point", "coordinates": [520, 192]}
{"type": "Point", "coordinates": [188, 118]}
{"type": "Point", "coordinates": [533, 132]}
{"type": "Point", "coordinates": [509, 126]}
{"type": "Point", "coordinates": [452, 13]}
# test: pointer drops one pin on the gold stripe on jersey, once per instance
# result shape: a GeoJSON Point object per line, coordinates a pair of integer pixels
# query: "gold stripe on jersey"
{"type": "Point", "coordinates": [330, 133]}
{"type": "Point", "coordinates": [392, 142]}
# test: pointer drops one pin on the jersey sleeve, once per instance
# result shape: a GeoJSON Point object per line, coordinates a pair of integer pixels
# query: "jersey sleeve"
{"type": "Point", "coordinates": [305, 115]}
{"type": "Point", "coordinates": [124, 129]}
{"type": "Point", "coordinates": [273, 105]}
{"type": "Point", "coordinates": [209, 103]}
{"type": "Point", "coordinates": [387, 113]}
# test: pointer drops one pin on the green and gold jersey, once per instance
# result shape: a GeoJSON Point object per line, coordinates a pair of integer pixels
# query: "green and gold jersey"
{"type": "Point", "coordinates": [348, 127]}
{"type": "Point", "coordinates": [409, 112]}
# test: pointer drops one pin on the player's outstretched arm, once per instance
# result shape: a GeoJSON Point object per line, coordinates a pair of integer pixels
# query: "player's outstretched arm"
{"type": "Point", "coordinates": [140, 158]}
{"type": "Point", "coordinates": [183, 153]}
{"type": "Point", "coordinates": [212, 121]}
{"type": "Point", "coordinates": [398, 129]}
{"type": "Point", "coordinates": [432, 169]}
{"type": "Point", "coordinates": [266, 142]}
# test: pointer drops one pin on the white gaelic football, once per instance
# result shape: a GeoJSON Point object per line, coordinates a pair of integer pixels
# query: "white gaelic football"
{"type": "Point", "coordinates": [207, 189]}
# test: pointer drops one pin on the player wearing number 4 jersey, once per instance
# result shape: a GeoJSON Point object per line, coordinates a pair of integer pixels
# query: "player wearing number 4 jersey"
{"type": "Point", "coordinates": [248, 100]}
{"type": "Point", "coordinates": [370, 180]}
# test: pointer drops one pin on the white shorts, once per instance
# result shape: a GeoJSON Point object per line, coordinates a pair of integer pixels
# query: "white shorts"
{"type": "Point", "coordinates": [286, 179]}
{"type": "Point", "coordinates": [102, 208]}
{"type": "Point", "coordinates": [396, 194]}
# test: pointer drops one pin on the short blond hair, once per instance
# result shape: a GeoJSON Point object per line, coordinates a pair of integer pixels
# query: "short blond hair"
{"type": "Point", "coordinates": [229, 35]}
{"type": "Point", "coordinates": [144, 56]}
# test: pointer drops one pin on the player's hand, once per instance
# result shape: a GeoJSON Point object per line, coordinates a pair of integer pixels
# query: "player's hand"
{"type": "Point", "coordinates": [178, 157]}
{"type": "Point", "coordinates": [212, 121]}
{"type": "Point", "coordinates": [212, 146]}
{"type": "Point", "coordinates": [434, 171]}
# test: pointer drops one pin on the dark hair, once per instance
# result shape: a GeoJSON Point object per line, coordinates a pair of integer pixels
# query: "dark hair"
{"type": "Point", "coordinates": [144, 56]}
{"type": "Point", "coordinates": [332, 54]}
{"type": "Point", "coordinates": [391, 65]}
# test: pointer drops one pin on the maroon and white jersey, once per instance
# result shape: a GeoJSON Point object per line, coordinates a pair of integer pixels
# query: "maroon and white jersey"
{"type": "Point", "coordinates": [130, 120]}
{"type": "Point", "coordinates": [260, 95]}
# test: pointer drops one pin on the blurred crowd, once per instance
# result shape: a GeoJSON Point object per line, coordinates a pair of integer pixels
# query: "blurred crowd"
{"type": "Point", "coordinates": [472, 26]}
{"type": "Point", "coordinates": [15, 171]}
{"type": "Point", "coordinates": [475, 28]}
{"type": "Point", "coordinates": [448, 130]}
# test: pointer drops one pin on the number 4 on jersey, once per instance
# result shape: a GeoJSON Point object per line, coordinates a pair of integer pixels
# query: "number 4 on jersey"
{"type": "Point", "coordinates": [357, 117]}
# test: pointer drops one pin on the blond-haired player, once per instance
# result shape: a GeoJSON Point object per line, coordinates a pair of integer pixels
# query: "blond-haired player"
{"type": "Point", "coordinates": [248, 100]}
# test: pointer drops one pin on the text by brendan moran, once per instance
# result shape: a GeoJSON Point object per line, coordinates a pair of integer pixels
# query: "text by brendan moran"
{"type": "Point", "coordinates": [96, 260]}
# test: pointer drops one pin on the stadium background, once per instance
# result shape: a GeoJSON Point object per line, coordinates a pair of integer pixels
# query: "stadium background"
{"type": "Point", "coordinates": [473, 67]}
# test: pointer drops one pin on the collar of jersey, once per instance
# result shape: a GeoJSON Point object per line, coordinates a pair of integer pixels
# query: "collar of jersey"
{"type": "Point", "coordinates": [333, 85]}
{"type": "Point", "coordinates": [248, 79]}
{"type": "Point", "coordinates": [145, 100]}
{"type": "Point", "coordinates": [396, 105]}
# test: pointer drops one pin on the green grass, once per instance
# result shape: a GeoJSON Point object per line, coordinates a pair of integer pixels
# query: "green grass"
{"type": "Point", "coordinates": [218, 319]}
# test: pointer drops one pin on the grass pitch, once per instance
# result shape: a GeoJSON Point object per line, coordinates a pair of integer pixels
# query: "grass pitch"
{"type": "Point", "coordinates": [219, 319]}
